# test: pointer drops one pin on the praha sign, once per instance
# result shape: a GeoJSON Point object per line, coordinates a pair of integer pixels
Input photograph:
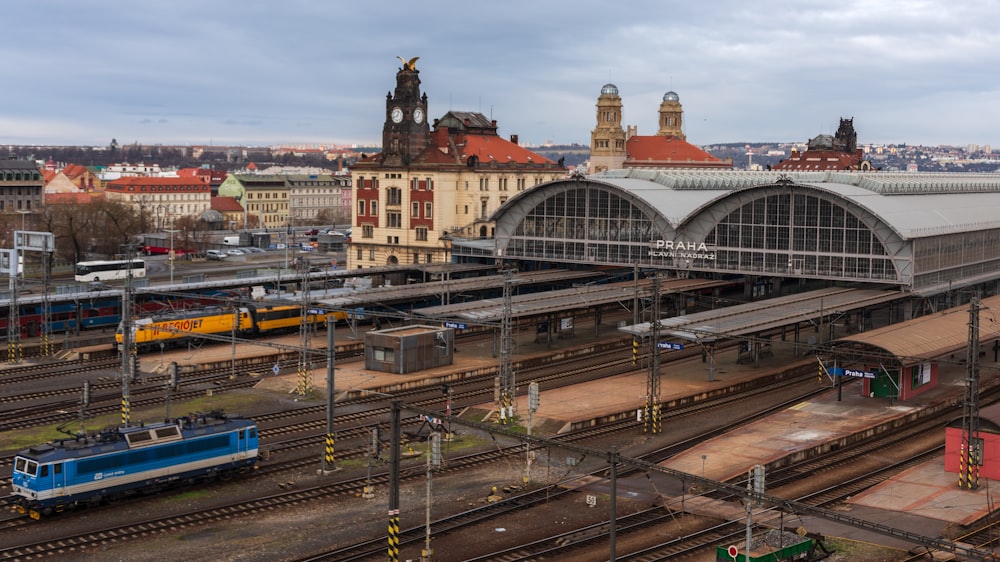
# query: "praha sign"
{"type": "Point", "coordinates": [681, 249]}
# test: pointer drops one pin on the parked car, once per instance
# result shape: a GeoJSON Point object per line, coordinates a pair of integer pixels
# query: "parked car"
{"type": "Point", "coordinates": [254, 250]}
{"type": "Point", "coordinates": [215, 255]}
{"type": "Point", "coordinates": [235, 252]}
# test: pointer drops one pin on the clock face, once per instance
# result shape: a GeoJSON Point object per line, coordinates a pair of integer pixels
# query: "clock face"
{"type": "Point", "coordinates": [418, 115]}
{"type": "Point", "coordinates": [397, 115]}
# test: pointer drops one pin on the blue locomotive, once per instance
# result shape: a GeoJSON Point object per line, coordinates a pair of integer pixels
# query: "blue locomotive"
{"type": "Point", "coordinates": [122, 461]}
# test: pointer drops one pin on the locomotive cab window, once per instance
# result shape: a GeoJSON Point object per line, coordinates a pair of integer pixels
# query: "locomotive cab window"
{"type": "Point", "coordinates": [45, 470]}
{"type": "Point", "coordinates": [27, 467]}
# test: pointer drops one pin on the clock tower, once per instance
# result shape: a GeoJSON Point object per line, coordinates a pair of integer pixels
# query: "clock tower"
{"type": "Point", "coordinates": [406, 132]}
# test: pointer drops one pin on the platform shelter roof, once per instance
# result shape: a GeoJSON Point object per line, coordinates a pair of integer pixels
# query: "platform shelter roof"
{"type": "Point", "coordinates": [930, 336]}
{"type": "Point", "coordinates": [374, 296]}
{"type": "Point", "coordinates": [756, 317]}
{"type": "Point", "coordinates": [562, 300]}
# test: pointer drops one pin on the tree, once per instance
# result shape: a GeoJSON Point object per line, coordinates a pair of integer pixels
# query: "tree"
{"type": "Point", "coordinates": [100, 227]}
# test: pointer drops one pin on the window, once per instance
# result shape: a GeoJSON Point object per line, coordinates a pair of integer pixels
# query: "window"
{"type": "Point", "coordinates": [416, 257]}
{"type": "Point", "coordinates": [367, 231]}
{"type": "Point", "coordinates": [428, 210]}
{"type": "Point", "coordinates": [395, 220]}
{"type": "Point", "coordinates": [374, 207]}
{"type": "Point", "coordinates": [361, 254]}
{"type": "Point", "coordinates": [395, 196]}
{"type": "Point", "coordinates": [421, 234]}
{"type": "Point", "coordinates": [415, 209]}
{"type": "Point", "coordinates": [361, 207]}
{"type": "Point", "coordinates": [371, 255]}
{"type": "Point", "coordinates": [430, 258]}
{"type": "Point", "coordinates": [383, 354]}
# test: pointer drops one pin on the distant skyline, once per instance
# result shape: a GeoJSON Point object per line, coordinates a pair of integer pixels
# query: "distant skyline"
{"type": "Point", "coordinates": [303, 72]}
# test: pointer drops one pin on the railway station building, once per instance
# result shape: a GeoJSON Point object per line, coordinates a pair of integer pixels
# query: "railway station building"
{"type": "Point", "coordinates": [915, 243]}
{"type": "Point", "coordinates": [435, 178]}
{"type": "Point", "coordinates": [930, 236]}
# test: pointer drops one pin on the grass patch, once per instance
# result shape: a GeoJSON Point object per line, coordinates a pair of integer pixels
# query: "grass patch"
{"type": "Point", "coordinates": [190, 494]}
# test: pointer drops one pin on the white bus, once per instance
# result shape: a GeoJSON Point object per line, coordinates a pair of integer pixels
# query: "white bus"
{"type": "Point", "coordinates": [87, 271]}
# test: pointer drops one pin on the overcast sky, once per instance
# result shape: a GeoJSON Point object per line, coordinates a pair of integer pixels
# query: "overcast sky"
{"type": "Point", "coordinates": [257, 72]}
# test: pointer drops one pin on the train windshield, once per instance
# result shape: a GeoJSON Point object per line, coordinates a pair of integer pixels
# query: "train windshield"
{"type": "Point", "coordinates": [26, 466]}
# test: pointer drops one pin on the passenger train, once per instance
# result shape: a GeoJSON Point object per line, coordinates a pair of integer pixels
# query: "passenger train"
{"type": "Point", "coordinates": [247, 321]}
{"type": "Point", "coordinates": [123, 461]}
{"type": "Point", "coordinates": [89, 311]}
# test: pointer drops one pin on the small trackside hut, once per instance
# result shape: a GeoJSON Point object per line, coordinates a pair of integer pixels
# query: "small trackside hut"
{"type": "Point", "coordinates": [409, 349]}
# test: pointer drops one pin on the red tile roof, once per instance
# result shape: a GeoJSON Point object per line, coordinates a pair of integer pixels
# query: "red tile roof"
{"type": "Point", "coordinates": [226, 205]}
{"type": "Point", "coordinates": [495, 149]}
{"type": "Point", "coordinates": [813, 160]}
{"type": "Point", "coordinates": [667, 151]}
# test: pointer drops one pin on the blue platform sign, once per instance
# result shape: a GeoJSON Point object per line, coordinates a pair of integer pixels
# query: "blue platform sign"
{"type": "Point", "coordinates": [455, 325]}
{"type": "Point", "coordinates": [319, 311]}
{"type": "Point", "coordinates": [859, 374]}
{"type": "Point", "coordinates": [670, 345]}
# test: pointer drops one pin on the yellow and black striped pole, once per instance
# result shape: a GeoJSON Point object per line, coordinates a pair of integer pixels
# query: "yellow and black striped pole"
{"type": "Point", "coordinates": [305, 379]}
{"type": "Point", "coordinates": [393, 551]}
{"type": "Point", "coordinates": [635, 350]}
{"type": "Point", "coordinates": [126, 411]}
{"type": "Point", "coordinates": [961, 467]}
{"type": "Point", "coordinates": [14, 352]}
{"type": "Point", "coordinates": [330, 441]}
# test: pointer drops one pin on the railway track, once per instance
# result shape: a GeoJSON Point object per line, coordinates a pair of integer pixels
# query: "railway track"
{"type": "Point", "coordinates": [353, 485]}
{"type": "Point", "coordinates": [836, 465]}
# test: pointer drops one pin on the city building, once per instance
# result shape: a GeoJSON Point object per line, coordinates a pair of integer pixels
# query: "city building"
{"type": "Point", "coordinates": [315, 198]}
{"type": "Point", "coordinates": [230, 210]}
{"type": "Point", "coordinates": [612, 148]}
{"type": "Point", "coordinates": [434, 180]}
{"type": "Point", "coordinates": [264, 199]}
{"type": "Point", "coordinates": [21, 187]}
{"type": "Point", "coordinates": [82, 177]}
{"type": "Point", "coordinates": [210, 175]}
{"type": "Point", "coordinates": [829, 152]}
{"type": "Point", "coordinates": [161, 200]}
{"type": "Point", "coordinates": [286, 200]}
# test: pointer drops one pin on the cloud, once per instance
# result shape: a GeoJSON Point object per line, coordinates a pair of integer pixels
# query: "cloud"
{"type": "Point", "coordinates": [301, 71]}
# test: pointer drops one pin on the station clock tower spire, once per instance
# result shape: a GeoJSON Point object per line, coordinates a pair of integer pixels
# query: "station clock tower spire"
{"type": "Point", "coordinates": [406, 132]}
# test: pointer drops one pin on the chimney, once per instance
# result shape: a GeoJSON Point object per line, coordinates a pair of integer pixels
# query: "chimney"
{"type": "Point", "coordinates": [513, 139]}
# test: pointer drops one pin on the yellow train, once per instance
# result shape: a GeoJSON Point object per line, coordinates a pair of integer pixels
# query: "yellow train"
{"type": "Point", "coordinates": [167, 330]}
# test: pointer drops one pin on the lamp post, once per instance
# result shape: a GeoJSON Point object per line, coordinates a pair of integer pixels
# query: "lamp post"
{"type": "Point", "coordinates": [170, 256]}
{"type": "Point", "coordinates": [23, 214]}
{"type": "Point", "coordinates": [288, 227]}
